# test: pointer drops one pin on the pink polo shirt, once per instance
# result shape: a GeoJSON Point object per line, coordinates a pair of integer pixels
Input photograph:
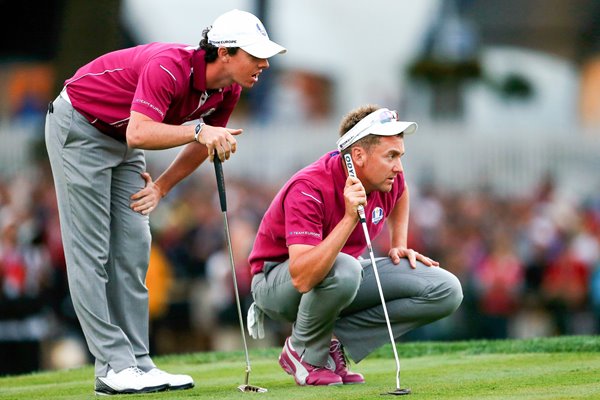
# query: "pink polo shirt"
{"type": "Point", "coordinates": [310, 205]}
{"type": "Point", "coordinates": [164, 81]}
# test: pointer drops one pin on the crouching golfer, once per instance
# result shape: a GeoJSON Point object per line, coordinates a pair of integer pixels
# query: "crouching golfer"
{"type": "Point", "coordinates": [306, 261]}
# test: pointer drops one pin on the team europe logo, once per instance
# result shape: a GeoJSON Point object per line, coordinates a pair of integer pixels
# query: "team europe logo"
{"type": "Point", "coordinates": [377, 215]}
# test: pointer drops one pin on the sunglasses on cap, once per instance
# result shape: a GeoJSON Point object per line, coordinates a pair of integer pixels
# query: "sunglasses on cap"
{"type": "Point", "coordinates": [387, 116]}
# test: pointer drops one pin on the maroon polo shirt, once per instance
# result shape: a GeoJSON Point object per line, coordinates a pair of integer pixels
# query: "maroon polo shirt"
{"type": "Point", "coordinates": [310, 205]}
{"type": "Point", "coordinates": [164, 81]}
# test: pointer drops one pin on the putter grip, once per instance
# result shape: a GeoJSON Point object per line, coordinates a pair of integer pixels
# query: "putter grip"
{"type": "Point", "coordinates": [352, 173]}
{"type": "Point", "coordinates": [220, 182]}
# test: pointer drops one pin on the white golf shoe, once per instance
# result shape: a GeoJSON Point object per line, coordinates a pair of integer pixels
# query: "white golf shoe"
{"type": "Point", "coordinates": [174, 382]}
{"type": "Point", "coordinates": [129, 380]}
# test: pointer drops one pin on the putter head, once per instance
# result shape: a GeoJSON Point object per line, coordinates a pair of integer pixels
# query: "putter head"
{"type": "Point", "coordinates": [251, 388]}
{"type": "Point", "coordinates": [398, 392]}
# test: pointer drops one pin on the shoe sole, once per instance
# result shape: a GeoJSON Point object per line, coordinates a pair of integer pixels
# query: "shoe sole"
{"type": "Point", "coordinates": [181, 387]}
{"type": "Point", "coordinates": [353, 383]}
{"type": "Point", "coordinates": [106, 390]}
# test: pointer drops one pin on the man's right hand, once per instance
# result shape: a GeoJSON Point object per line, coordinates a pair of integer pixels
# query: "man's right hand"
{"type": "Point", "coordinates": [354, 196]}
{"type": "Point", "coordinates": [219, 139]}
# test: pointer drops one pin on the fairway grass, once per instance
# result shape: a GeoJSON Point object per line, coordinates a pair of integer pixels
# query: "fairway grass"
{"type": "Point", "coordinates": [551, 368]}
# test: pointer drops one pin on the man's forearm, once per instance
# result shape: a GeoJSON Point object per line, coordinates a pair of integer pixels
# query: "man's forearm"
{"type": "Point", "coordinates": [145, 133]}
{"type": "Point", "coordinates": [398, 221]}
{"type": "Point", "coordinates": [184, 164]}
{"type": "Point", "coordinates": [310, 265]}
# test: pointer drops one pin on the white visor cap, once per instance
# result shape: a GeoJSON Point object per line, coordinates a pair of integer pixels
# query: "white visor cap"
{"type": "Point", "coordinates": [382, 122]}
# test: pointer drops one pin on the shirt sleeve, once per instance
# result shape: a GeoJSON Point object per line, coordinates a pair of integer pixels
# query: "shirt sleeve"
{"type": "Point", "coordinates": [157, 86]}
{"type": "Point", "coordinates": [304, 214]}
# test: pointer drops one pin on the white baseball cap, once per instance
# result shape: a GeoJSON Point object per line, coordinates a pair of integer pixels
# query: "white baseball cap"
{"type": "Point", "coordinates": [382, 122]}
{"type": "Point", "coordinates": [242, 29]}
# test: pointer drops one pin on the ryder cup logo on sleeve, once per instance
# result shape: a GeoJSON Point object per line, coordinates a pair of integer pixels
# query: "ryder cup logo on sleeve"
{"type": "Point", "coordinates": [377, 215]}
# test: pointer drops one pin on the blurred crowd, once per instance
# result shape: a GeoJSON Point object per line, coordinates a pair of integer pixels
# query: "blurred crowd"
{"type": "Point", "coordinates": [529, 267]}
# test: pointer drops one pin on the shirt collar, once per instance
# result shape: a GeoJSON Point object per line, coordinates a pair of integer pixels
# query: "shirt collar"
{"type": "Point", "coordinates": [199, 73]}
{"type": "Point", "coordinates": [338, 166]}
{"type": "Point", "coordinates": [199, 69]}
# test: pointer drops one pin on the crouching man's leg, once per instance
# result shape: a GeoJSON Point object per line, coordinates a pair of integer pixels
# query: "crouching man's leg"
{"type": "Point", "coordinates": [414, 297]}
{"type": "Point", "coordinates": [306, 351]}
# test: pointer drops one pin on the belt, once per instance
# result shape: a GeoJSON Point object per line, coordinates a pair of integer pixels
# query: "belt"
{"type": "Point", "coordinates": [107, 129]}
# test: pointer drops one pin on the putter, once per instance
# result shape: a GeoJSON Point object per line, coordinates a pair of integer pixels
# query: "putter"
{"type": "Point", "coordinates": [246, 387]}
{"type": "Point", "coordinates": [363, 221]}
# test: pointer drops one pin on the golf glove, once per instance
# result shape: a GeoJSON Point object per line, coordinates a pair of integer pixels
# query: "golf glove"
{"type": "Point", "coordinates": [255, 320]}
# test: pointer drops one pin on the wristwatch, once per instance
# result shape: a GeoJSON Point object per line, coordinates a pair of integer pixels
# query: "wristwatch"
{"type": "Point", "coordinates": [198, 130]}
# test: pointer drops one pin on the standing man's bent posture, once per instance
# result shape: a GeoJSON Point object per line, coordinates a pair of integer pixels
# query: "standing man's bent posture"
{"type": "Point", "coordinates": [112, 108]}
{"type": "Point", "coordinates": [306, 261]}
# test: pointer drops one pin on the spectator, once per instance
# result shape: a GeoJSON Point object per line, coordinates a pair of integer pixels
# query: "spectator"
{"type": "Point", "coordinates": [565, 289]}
{"type": "Point", "coordinates": [25, 272]}
{"type": "Point", "coordinates": [499, 284]}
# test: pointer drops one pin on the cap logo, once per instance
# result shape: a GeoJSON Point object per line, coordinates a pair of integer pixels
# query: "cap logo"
{"type": "Point", "coordinates": [228, 41]}
{"type": "Point", "coordinates": [261, 29]}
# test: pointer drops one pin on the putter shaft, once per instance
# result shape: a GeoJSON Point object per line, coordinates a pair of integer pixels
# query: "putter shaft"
{"type": "Point", "coordinates": [246, 387]}
{"type": "Point", "coordinates": [237, 294]}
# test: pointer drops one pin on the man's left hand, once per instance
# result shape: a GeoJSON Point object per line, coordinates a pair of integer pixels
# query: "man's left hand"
{"type": "Point", "coordinates": [396, 253]}
{"type": "Point", "coordinates": [146, 199]}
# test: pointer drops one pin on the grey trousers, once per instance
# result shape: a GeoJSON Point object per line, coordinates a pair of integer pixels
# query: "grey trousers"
{"type": "Point", "coordinates": [347, 304]}
{"type": "Point", "coordinates": [107, 245]}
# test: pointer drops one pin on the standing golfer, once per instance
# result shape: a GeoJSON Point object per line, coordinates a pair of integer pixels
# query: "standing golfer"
{"type": "Point", "coordinates": [111, 109]}
{"type": "Point", "coordinates": [306, 258]}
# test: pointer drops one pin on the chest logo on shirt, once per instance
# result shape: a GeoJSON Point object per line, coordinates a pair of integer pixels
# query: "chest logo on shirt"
{"type": "Point", "coordinates": [377, 215]}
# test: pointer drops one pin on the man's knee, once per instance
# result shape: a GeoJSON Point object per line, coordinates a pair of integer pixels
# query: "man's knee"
{"type": "Point", "coordinates": [345, 276]}
{"type": "Point", "coordinates": [134, 251]}
{"type": "Point", "coordinates": [452, 295]}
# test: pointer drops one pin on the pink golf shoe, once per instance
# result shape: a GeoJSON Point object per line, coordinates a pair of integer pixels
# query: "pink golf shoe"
{"type": "Point", "coordinates": [303, 372]}
{"type": "Point", "coordinates": [339, 358]}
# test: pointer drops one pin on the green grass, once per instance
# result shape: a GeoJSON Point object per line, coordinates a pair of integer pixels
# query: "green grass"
{"type": "Point", "coordinates": [549, 368]}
